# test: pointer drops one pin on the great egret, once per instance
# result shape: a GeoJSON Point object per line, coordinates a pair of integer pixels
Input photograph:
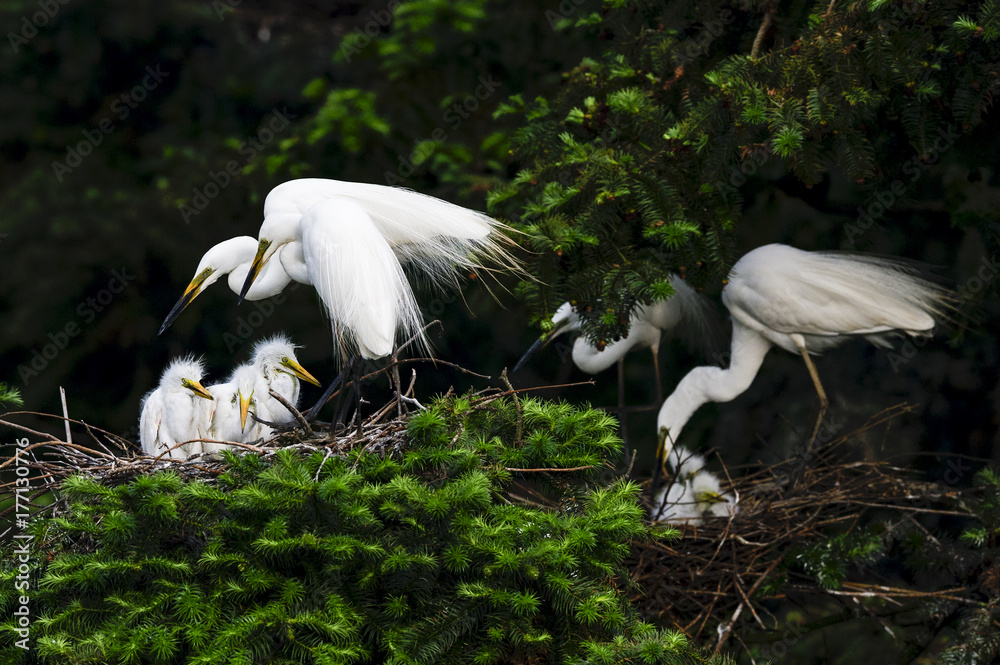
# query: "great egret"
{"type": "Point", "coordinates": [355, 237]}
{"type": "Point", "coordinates": [233, 257]}
{"type": "Point", "coordinates": [171, 413]}
{"type": "Point", "coordinates": [804, 302]}
{"type": "Point", "coordinates": [685, 311]}
{"type": "Point", "coordinates": [228, 412]}
{"type": "Point", "coordinates": [277, 369]}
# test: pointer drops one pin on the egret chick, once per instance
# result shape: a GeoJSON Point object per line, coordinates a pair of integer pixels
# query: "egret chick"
{"type": "Point", "coordinates": [171, 413]}
{"type": "Point", "coordinates": [277, 369]}
{"type": "Point", "coordinates": [805, 303]}
{"type": "Point", "coordinates": [233, 400]}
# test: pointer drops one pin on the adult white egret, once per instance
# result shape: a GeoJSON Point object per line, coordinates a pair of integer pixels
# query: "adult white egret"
{"type": "Point", "coordinates": [804, 302]}
{"type": "Point", "coordinates": [171, 413]}
{"type": "Point", "coordinates": [355, 237]}
{"type": "Point", "coordinates": [234, 257]}
{"type": "Point", "coordinates": [426, 233]}
{"type": "Point", "coordinates": [277, 369]}
{"type": "Point", "coordinates": [686, 311]}
{"type": "Point", "coordinates": [228, 411]}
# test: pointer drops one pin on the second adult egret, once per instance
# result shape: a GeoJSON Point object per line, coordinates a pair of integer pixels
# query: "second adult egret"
{"type": "Point", "coordinates": [171, 413]}
{"type": "Point", "coordinates": [234, 257]}
{"type": "Point", "coordinates": [805, 303]}
{"type": "Point", "coordinates": [686, 312]}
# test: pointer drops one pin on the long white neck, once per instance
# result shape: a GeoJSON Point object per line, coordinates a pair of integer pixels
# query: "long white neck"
{"type": "Point", "coordinates": [713, 384]}
{"type": "Point", "coordinates": [270, 282]}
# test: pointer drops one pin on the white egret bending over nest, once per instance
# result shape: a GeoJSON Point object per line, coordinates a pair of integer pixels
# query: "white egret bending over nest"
{"type": "Point", "coordinates": [234, 257]}
{"type": "Point", "coordinates": [686, 311]}
{"type": "Point", "coordinates": [354, 237]}
{"type": "Point", "coordinates": [277, 369]}
{"type": "Point", "coordinates": [228, 412]}
{"type": "Point", "coordinates": [804, 302]}
{"type": "Point", "coordinates": [171, 413]}
{"type": "Point", "coordinates": [432, 236]}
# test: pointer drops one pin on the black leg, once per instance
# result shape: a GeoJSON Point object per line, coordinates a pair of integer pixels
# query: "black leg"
{"type": "Point", "coordinates": [312, 413]}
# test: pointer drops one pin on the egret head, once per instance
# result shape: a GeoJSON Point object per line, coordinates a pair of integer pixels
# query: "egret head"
{"type": "Point", "coordinates": [185, 374]}
{"type": "Point", "coordinates": [244, 379]}
{"type": "Point", "coordinates": [564, 320]}
{"type": "Point", "coordinates": [221, 259]}
{"type": "Point", "coordinates": [277, 230]}
{"type": "Point", "coordinates": [277, 354]}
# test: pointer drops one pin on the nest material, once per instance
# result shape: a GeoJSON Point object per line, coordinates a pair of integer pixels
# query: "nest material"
{"type": "Point", "coordinates": [707, 580]}
{"type": "Point", "coordinates": [716, 575]}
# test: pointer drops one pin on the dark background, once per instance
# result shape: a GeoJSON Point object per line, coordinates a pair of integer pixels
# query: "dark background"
{"type": "Point", "coordinates": [374, 112]}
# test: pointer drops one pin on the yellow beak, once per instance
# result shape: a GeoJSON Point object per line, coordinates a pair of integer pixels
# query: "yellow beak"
{"type": "Point", "coordinates": [196, 388]}
{"type": "Point", "coordinates": [244, 407]}
{"type": "Point", "coordinates": [255, 267]}
{"type": "Point", "coordinates": [190, 293]}
{"type": "Point", "coordinates": [299, 371]}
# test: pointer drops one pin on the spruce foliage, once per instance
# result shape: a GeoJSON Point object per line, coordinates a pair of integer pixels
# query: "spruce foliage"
{"type": "Point", "coordinates": [634, 170]}
{"type": "Point", "coordinates": [417, 555]}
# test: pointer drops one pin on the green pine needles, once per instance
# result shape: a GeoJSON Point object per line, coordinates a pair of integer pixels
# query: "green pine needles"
{"type": "Point", "coordinates": [10, 396]}
{"type": "Point", "coordinates": [420, 555]}
{"type": "Point", "coordinates": [637, 168]}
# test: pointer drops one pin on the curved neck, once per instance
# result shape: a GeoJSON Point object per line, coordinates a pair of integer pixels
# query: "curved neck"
{"type": "Point", "coordinates": [714, 384]}
{"type": "Point", "coordinates": [270, 282]}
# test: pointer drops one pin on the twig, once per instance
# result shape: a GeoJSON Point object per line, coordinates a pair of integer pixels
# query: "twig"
{"type": "Point", "coordinates": [759, 39]}
{"type": "Point", "coordinates": [62, 396]}
{"type": "Point", "coordinates": [292, 410]}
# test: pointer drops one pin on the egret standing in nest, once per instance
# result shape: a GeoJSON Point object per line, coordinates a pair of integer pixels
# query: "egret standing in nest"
{"type": "Point", "coordinates": [805, 303]}
{"type": "Point", "coordinates": [172, 414]}
{"type": "Point", "coordinates": [355, 238]}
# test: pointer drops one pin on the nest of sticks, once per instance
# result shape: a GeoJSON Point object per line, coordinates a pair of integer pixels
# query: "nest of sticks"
{"type": "Point", "coordinates": [715, 577]}
{"type": "Point", "coordinates": [704, 583]}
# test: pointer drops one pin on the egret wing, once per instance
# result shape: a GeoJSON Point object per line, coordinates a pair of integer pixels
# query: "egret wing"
{"type": "Point", "coordinates": [357, 276]}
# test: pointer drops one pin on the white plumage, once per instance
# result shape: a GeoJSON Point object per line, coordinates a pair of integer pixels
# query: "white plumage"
{"type": "Point", "coordinates": [355, 236]}
{"type": "Point", "coordinates": [685, 312]}
{"type": "Point", "coordinates": [694, 494]}
{"type": "Point", "coordinates": [171, 414]}
{"type": "Point", "coordinates": [804, 302]}
{"type": "Point", "coordinates": [357, 277]}
{"type": "Point", "coordinates": [233, 257]}
{"type": "Point", "coordinates": [277, 369]}
{"type": "Point", "coordinates": [228, 413]}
